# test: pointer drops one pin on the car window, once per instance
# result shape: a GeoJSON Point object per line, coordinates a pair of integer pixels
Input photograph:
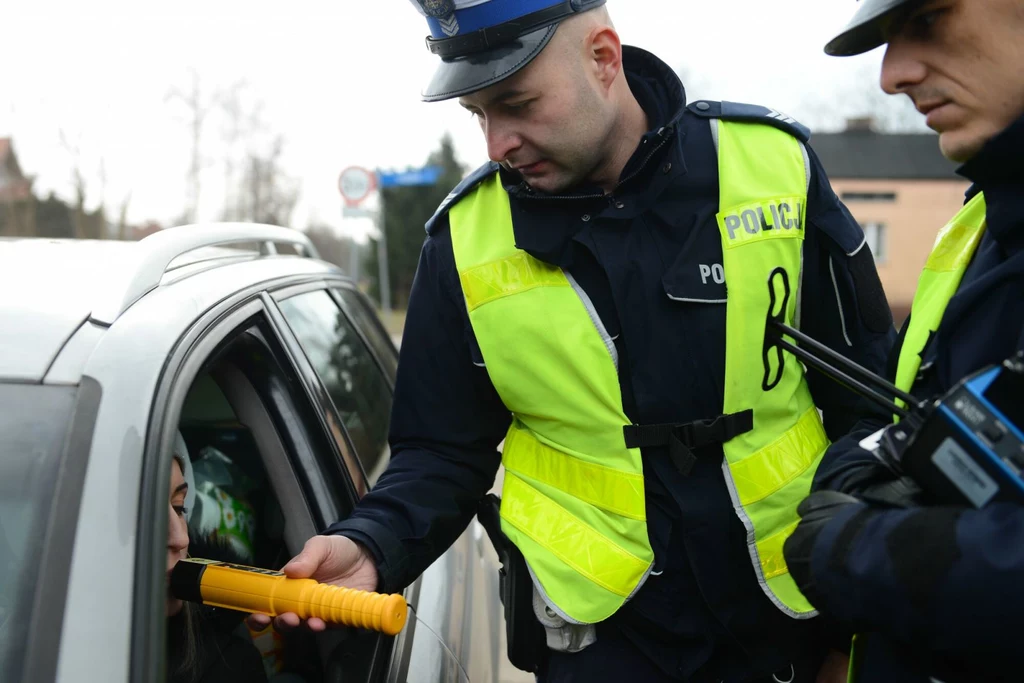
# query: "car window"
{"type": "Point", "coordinates": [351, 375]}
{"type": "Point", "coordinates": [359, 311]}
{"type": "Point", "coordinates": [251, 434]}
{"type": "Point", "coordinates": [33, 424]}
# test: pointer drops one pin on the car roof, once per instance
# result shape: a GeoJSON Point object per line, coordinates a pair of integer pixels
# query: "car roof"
{"type": "Point", "coordinates": [50, 287]}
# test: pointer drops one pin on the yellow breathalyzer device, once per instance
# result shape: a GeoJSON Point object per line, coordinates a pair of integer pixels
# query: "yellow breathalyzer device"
{"type": "Point", "coordinates": [265, 591]}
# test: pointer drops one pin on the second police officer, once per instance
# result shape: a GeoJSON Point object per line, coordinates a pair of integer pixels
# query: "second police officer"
{"type": "Point", "coordinates": [597, 297]}
{"type": "Point", "coordinates": [936, 589]}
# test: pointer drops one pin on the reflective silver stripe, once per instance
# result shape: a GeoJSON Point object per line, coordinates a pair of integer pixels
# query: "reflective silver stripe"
{"type": "Point", "coordinates": [839, 302]}
{"type": "Point", "coordinates": [800, 280]}
{"type": "Point", "coordinates": [862, 245]}
{"type": "Point", "coordinates": [807, 168]}
{"type": "Point", "coordinates": [752, 546]}
{"type": "Point", "coordinates": [699, 301]}
{"type": "Point", "coordinates": [596, 319]}
{"type": "Point", "coordinates": [714, 132]}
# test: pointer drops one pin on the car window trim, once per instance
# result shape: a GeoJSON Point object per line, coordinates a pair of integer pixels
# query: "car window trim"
{"type": "Point", "coordinates": [317, 483]}
{"type": "Point", "coordinates": [183, 365]}
{"type": "Point", "coordinates": [49, 601]}
{"type": "Point", "coordinates": [281, 474]}
{"type": "Point", "coordinates": [316, 391]}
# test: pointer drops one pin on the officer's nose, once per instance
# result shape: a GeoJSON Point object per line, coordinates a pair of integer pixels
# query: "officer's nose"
{"type": "Point", "coordinates": [502, 140]}
{"type": "Point", "coordinates": [902, 67]}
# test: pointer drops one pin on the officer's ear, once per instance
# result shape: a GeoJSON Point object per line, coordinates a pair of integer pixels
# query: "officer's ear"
{"type": "Point", "coordinates": [605, 53]}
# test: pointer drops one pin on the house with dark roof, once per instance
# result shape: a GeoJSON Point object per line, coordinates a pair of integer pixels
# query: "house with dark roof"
{"type": "Point", "coordinates": [901, 190]}
{"type": "Point", "coordinates": [17, 206]}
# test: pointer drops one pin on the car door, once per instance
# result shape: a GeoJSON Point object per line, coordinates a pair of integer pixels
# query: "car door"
{"type": "Point", "coordinates": [232, 388]}
{"type": "Point", "coordinates": [354, 362]}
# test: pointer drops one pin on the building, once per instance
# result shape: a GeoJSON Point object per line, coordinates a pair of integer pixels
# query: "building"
{"type": "Point", "coordinates": [17, 206]}
{"type": "Point", "coordinates": [901, 190]}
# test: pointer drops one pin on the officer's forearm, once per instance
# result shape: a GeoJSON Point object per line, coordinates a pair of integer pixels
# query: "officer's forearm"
{"type": "Point", "coordinates": [417, 510]}
{"type": "Point", "coordinates": [946, 579]}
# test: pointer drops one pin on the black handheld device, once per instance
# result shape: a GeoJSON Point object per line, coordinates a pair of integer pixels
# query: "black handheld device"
{"type": "Point", "coordinates": [527, 645]}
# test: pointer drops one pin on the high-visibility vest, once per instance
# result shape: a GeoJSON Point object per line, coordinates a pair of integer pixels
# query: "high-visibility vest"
{"type": "Point", "coordinates": [573, 497]}
{"type": "Point", "coordinates": [954, 248]}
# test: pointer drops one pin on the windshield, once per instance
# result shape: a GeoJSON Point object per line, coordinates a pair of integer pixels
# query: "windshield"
{"type": "Point", "coordinates": [34, 420]}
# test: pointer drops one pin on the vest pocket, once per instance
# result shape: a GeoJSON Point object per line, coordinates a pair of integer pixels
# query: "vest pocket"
{"type": "Point", "coordinates": [704, 285]}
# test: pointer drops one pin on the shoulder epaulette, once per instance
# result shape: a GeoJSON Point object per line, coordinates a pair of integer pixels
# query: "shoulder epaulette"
{"type": "Point", "coordinates": [751, 113]}
{"type": "Point", "coordinates": [461, 190]}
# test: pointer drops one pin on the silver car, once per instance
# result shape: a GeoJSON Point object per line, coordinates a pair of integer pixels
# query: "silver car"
{"type": "Point", "coordinates": [279, 376]}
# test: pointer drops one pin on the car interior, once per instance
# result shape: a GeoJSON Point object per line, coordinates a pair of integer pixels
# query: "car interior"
{"type": "Point", "coordinates": [268, 477]}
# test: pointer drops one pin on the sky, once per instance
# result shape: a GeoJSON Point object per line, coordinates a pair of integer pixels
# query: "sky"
{"type": "Point", "coordinates": [340, 80]}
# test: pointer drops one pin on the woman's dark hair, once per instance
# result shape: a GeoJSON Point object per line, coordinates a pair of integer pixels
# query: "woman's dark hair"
{"type": "Point", "coordinates": [183, 644]}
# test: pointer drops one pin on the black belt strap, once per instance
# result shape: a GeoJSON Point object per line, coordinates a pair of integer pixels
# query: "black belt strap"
{"type": "Point", "coordinates": [683, 438]}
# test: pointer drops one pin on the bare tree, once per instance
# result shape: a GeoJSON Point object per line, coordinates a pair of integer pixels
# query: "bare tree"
{"type": "Point", "coordinates": [122, 216]}
{"type": "Point", "coordinates": [270, 194]}
{"type": "Point", "coordinates": [233, 129]}
{"type": "Point", "coordinates": [198, 107]}
{"type": "Point", "coordinates": [331, 247]}
{"type": "Point", "coordinates": [862, 98]}
{"type": "Point", "coordinates": [80, 218]}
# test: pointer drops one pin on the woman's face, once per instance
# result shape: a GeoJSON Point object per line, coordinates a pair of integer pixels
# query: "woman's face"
{"type": "Point", "coordinates": [177, 530]}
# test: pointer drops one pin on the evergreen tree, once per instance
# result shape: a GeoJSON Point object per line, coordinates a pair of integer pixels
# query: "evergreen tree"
{"type": "Point", "coordinates": [406, 211]}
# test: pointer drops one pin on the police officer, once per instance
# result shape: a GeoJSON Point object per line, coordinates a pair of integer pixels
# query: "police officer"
{"type": "Point", "coordinates": [936, 591]}
{"type": "Point", "coordinates": [597, 297]}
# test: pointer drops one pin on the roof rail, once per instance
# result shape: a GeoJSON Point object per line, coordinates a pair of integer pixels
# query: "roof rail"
{"type": "Point", "coordinates": [148, 264]}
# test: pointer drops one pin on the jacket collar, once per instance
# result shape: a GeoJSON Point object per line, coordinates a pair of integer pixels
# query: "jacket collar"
{"type": "Point", "coordinates": [545, 224]}
{"type": "Point", "coordinates": [998, 171]}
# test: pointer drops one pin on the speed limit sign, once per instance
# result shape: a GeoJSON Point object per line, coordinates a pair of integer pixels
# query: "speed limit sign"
{"type": "Point", "coordinates": [355, 184]}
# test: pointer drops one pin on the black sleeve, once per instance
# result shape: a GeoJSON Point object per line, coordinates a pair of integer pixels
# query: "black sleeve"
{"type": "Point", "coordinates": [943, 579]}
{"type": "Point", "coordinates": [843, 306]}
{"type": "Point", "coordinates": [446, 422]}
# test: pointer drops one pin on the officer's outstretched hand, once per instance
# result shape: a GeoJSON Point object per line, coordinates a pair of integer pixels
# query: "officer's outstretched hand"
{"type": "Point", "coordinates": [815, 511]}
{"type": "Point", "coordinates": [328, 559]}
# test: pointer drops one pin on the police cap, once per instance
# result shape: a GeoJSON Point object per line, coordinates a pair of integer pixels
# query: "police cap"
{"type": "Point", "coordinates": [866, 30]}
{"type": "Point", "coordinates": [481, 42]}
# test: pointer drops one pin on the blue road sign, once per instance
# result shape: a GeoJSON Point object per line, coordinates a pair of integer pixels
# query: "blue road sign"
{"type": "Point", "coordinates": [428, 175]}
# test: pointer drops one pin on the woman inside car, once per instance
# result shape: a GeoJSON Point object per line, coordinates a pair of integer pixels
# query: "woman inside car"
{"type": "Point", "coordinates": [203, 645]}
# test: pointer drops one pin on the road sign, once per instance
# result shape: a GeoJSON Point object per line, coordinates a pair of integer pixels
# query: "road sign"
{"type": "Point", "coordinates": [428, 175]}
{"type": "Point", "coordinates": [355, 184]}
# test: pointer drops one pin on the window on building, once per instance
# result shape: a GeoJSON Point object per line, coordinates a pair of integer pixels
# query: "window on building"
{"type": "Point", "coordinates": [869, 196]}
{"type": "Point", "coordinates": [874, 234]}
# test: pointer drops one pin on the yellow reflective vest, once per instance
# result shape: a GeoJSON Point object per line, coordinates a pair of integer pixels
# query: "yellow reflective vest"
{"type": "Point", "coordinates": [954, 248]}
{"type": "Point", "coordinates": [573, 498]}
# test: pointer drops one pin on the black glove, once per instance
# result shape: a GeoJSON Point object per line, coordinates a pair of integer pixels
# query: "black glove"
{"type": "Point", "coordinates": [815, 511]}
{"type": "Point", "coordinates": [902, 492]}
{"type": "Point", "coordinates": [885, 482]}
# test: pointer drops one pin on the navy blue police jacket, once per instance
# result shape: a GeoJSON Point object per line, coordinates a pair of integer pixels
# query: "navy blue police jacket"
{"type": "Point", "coordinates": [645, 255]}
{"type": "Point", "coordinates": [942, 586]}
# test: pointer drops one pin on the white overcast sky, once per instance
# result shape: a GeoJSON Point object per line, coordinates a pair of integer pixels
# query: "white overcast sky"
{"type": "Point", "coordinates": [341, 80]}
